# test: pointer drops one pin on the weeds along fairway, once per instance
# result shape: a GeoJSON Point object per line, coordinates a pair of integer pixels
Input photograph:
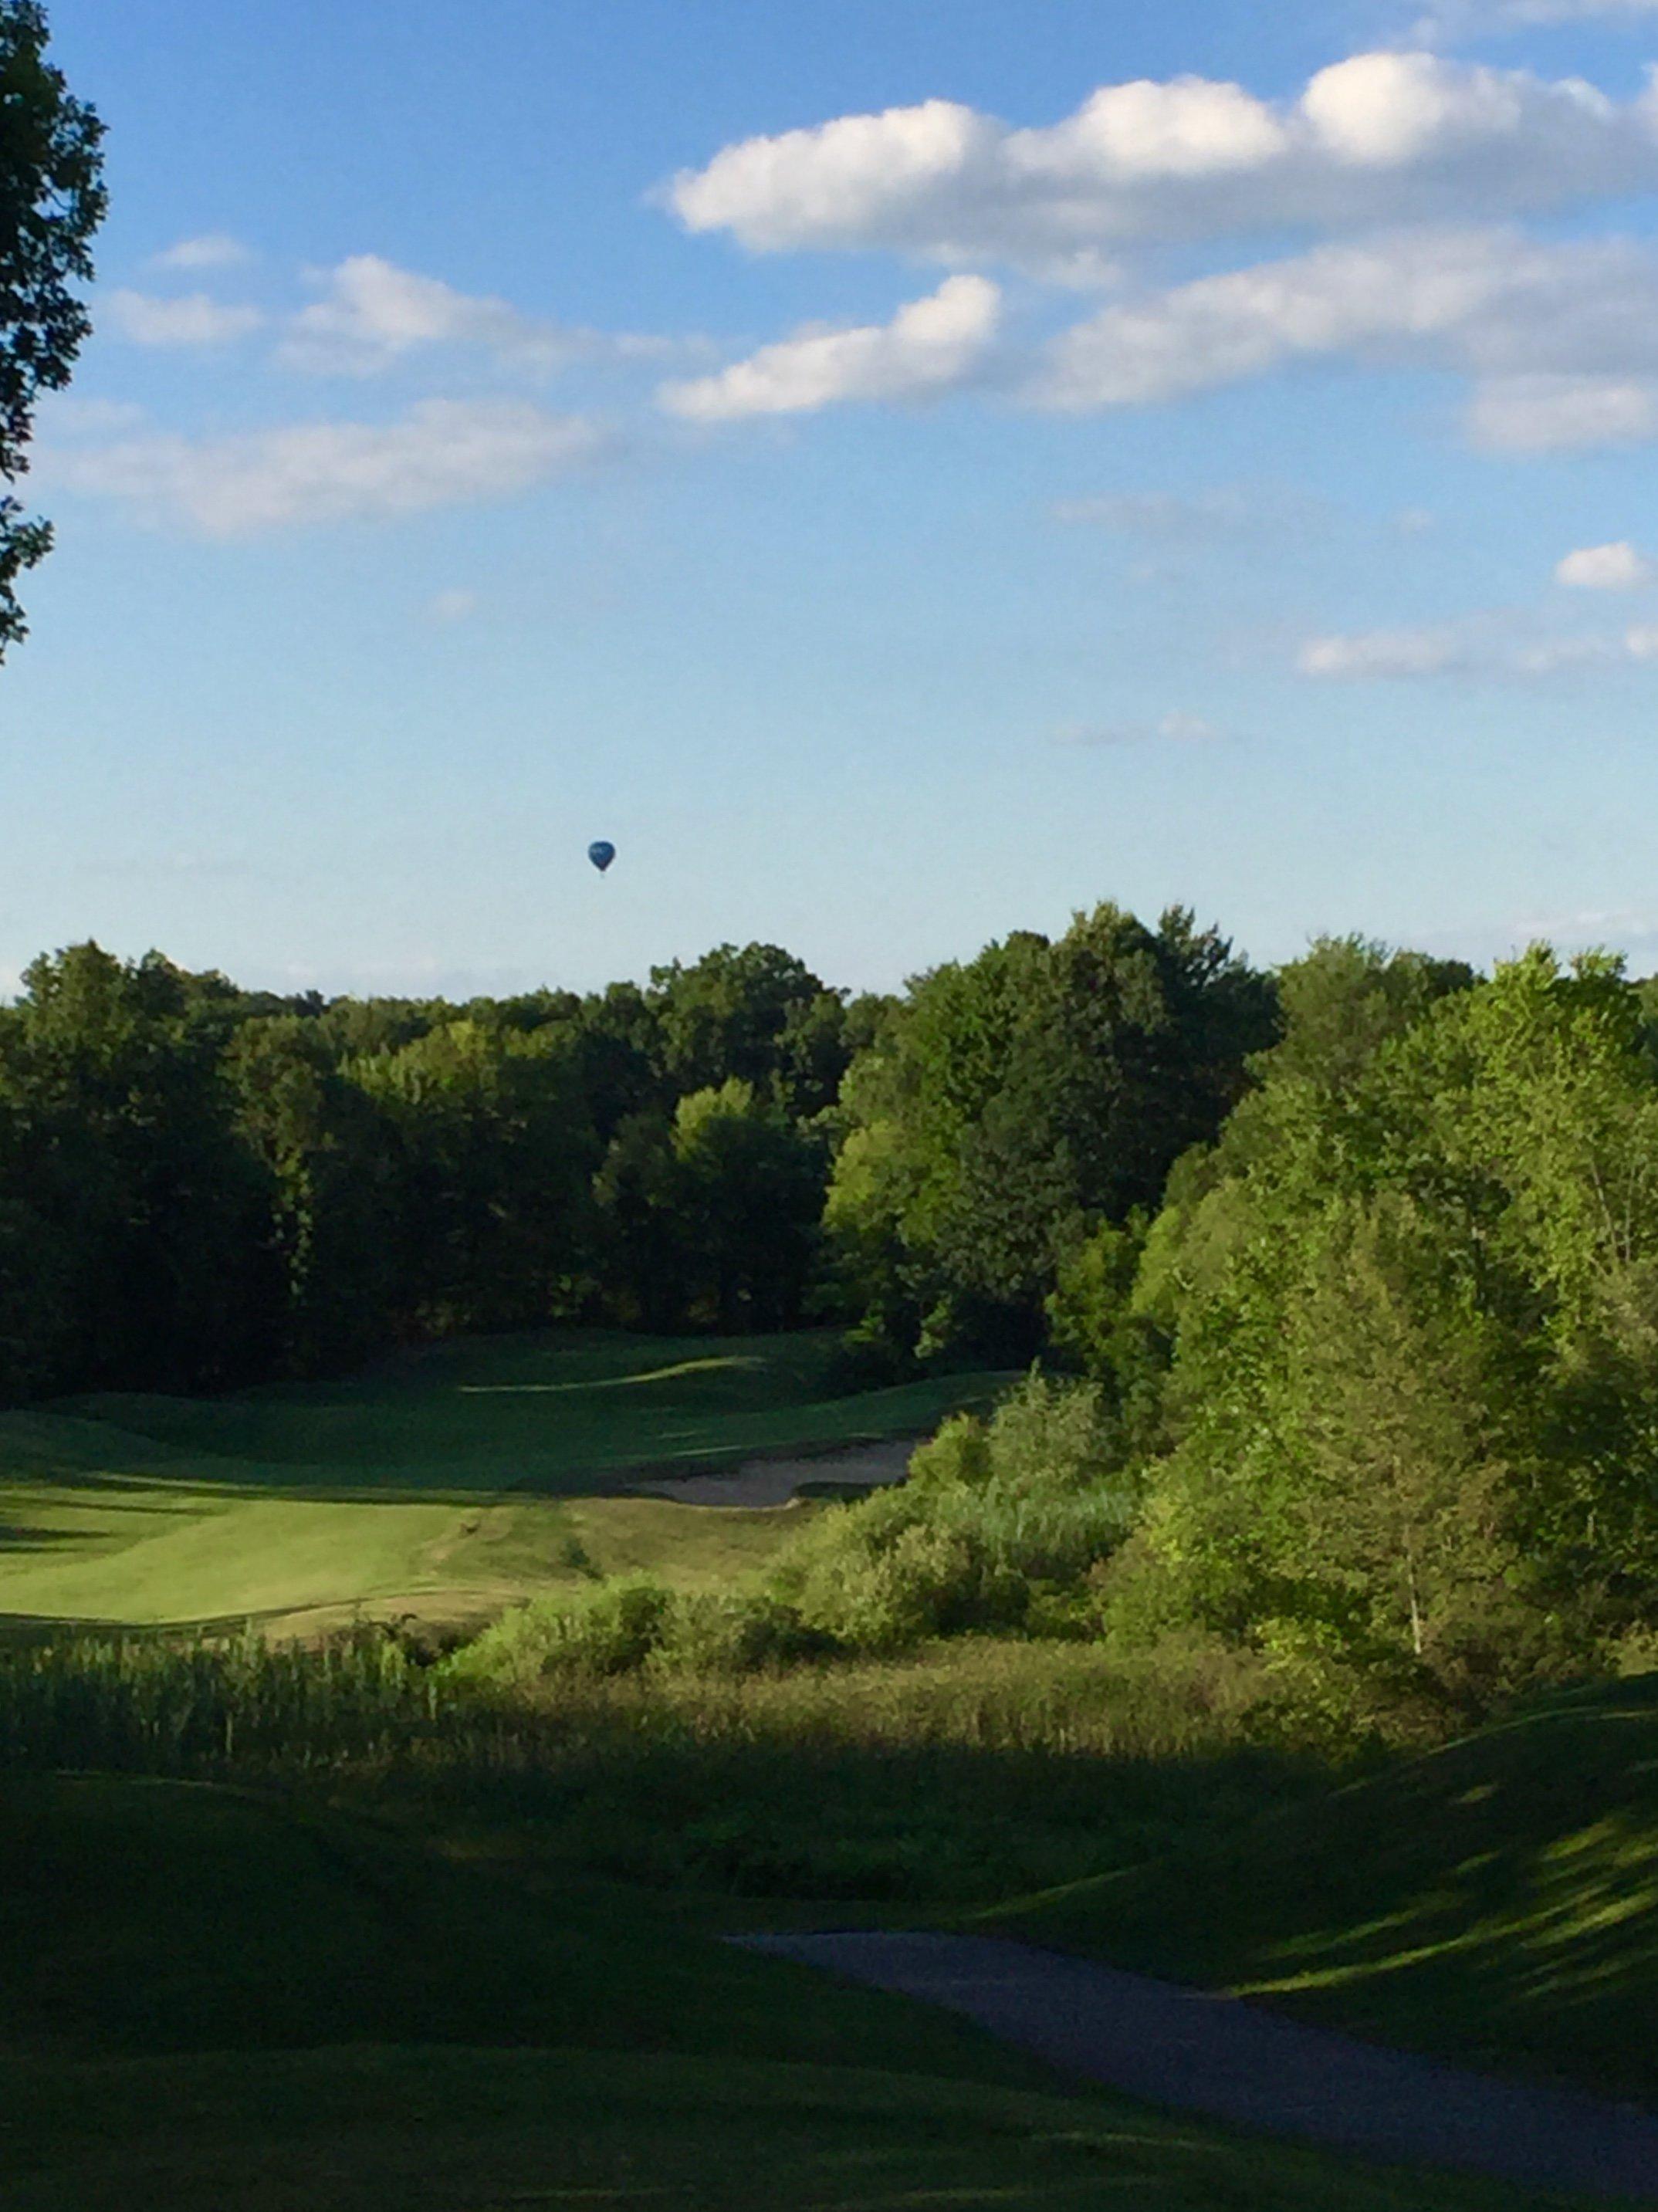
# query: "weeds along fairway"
{"type": "Point", "coordinates": [963, 1773]}
{"type": "Point", "coordinates": [442, 1484]}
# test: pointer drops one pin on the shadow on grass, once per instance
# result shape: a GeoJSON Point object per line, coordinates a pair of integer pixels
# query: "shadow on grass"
{"type": "Point", "coordinates": [1497, 1898]}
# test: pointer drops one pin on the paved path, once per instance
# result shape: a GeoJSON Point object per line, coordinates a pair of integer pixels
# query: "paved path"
{"type": "Point", "coordinates": [1204, 2053]}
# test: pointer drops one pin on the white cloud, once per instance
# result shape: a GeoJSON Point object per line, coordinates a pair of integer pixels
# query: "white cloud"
{"type": "Point", "coordinates": [1166, 518]}
{"type": "Point", "coordinates": [373, 313]}
{"type": "Point", "coordinates": [1409, 158]}
{"type": "Point", "coordinates": [214, 249]}
{"type": "Point", "coordinates": [1218, 329]}
{"type": "Point", "coordinates": [1468, 18]}
{"type": "Point", "coordinates": [929, 345]}
{"type": "Point", "coordinates": [1432, 650]}
{"type": "Point", "coordinates": [70, 415]}
{"type": "Point", "coordinates": [1561, 339]}
{"type": "Point", "coordinates": [1381, 137]}
{"type": "Point", "coordinates": [1556, 413]}
{"type": "Point", "coordinates": [1160, 514]}
{"type": "Point", "coordinates": [1173, 728]}
{"type": "Point", "coordinates": [1495, 647]}
{"type": "Point", "coordinates": [1616, 567]}
{"type": "Point", "coordinates": [441, 454]}
{"type": "Point", "coordinates": [193, 320]}
{"type": "Point", "coordinates": [451, 606]}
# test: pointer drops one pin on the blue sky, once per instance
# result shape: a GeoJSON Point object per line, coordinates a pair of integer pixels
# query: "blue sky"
{"type": "Point", "coordinates": [903, 472]}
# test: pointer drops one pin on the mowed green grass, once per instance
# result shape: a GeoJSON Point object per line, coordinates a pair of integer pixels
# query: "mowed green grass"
{"type": "Point", "coordinates": [444, 1483]}
{"type": "Point", "coordinates": [1496, 1900]}
{"type": "Point", "coordinates": [215, 2000]}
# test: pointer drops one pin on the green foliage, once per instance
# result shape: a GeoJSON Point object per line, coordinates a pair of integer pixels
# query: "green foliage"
{"type": "Point", "coordinates": [632, 1623]}
{"type": "Point", "coordinates": [755, 1015]}
{"type": "Point", "coordinates": [960, 1772]}
{"type": "Point", "coordinates": [158, 1708]}
{"type": "Point", "coordinates": [750, 1191]}
{"type": "Point", "coordinates": [996, 1524]}
{"type": "Point", "coordinates": [1345, 998]}
{"type": "Point", "coordinates": [735, 1632]}
{"type": "Point", "coordinates": [611, 1628]}
{"type": "Point", "coordinates": [216, 1184]}
{"type": "Point", "coordinates": [121, 1165]}
{"type": "Point", "coordinates": [713, 1211]}
{"type": "Point", "coordinates": [51, 201]}
{"type": "Point", "coordinates": [297, 1184]}
{"type": "Point", "coordinates": [1373, 1393]}
{"type": "Point", "coordinates": [1413, 1384]}
{"type": "Point", "coordinates": [1095, 1282]}
{"type": "Point", "coordinates": [1102, 1318]}
{"type": "Point", "coordinates": [328, 1155]}
{"type": "Point", "coordinates": [1012, 1103]}
{"type": "Point", "coordinates": [493, 1154]}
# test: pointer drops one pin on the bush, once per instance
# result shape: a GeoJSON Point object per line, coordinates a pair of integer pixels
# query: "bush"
{"type": "Point", "coordinates": [612, 1628]}
{"type": "Point", "coordinates": [863, 1360]}
{"type": "Point", "coordinates": [734, 1632]}
{"type": "Point", "coordinates": [957, 1456]}
{"type": "Point", "coordinates": [631, 1624]}
{"type": "Point", "coordinates": [998, 1527]}
{"type": "Point", "coordinates": [1048, 1437]}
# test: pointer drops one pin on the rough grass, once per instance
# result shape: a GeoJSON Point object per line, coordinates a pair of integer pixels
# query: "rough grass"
{"type": "Point", "coordinates": [441, 1485]}
{"type": "Point", "coordinates": [959, 1774]}
{"type": "Point", "coordinates": [1495, 1900]}
{"type": "Point", "coordinates": [213, 2000]}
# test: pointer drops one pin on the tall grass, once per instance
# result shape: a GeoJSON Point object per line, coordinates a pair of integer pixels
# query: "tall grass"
{"type": "Point", "coordinates": [152, 1706]}
{"type": "Point", "coordinates": [966, 1772]}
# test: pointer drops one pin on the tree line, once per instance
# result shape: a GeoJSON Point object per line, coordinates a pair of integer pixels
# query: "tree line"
{"type": "Point", "coordinates": [201, 1186]}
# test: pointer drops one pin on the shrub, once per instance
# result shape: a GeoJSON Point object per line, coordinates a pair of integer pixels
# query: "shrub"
{"type": "Point", "coordinates": [1048, 1437]}
{"type": "Point", "coordinates": [998, 1527]}
{"type": "Point", "coordinates": [612, 1628]}
{"type": "Point", "coordinates": [734, 1632]}
{"type": "Point", "coordinates": [957, 1455]}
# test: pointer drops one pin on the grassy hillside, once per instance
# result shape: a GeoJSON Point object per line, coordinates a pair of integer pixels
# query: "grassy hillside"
{"type": "Point", "coordinates": [554, 1411]}
{"type": "Point", "coordinates": [215, 2001]}
{"type": "Point", "coordinates": [1496, 1899]}
{"type": "Point", "coordinates": [444, 1483]}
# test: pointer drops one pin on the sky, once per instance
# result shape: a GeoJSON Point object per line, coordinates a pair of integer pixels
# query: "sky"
{"type": "Point", "coordinates": [903, 472]}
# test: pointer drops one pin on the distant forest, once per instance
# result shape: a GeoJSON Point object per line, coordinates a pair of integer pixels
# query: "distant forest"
{"type": "Point", "coordinates": [202, 1186]}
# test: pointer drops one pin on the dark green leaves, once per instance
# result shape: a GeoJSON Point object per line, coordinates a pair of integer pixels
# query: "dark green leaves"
{"type": "Point", "coordinates": [51, 201]}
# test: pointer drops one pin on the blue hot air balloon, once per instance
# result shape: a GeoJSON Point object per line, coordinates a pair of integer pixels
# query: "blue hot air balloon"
{"type": "Point", "coordinates": [601, 853]}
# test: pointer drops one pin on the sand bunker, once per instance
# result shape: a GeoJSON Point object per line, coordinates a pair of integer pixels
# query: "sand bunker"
{"type": "Point", "coordinates": [775, 1481]}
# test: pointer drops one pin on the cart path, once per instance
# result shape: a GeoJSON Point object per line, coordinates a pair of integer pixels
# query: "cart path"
{"type": "Point", "coordinates": [1201, 2052]}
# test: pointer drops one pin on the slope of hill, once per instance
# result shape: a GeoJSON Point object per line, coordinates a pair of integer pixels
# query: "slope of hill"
{"type": "Point", "coordinates": [1496, 1899]}
{"type": "Point", "coordinates": [215, 2000]}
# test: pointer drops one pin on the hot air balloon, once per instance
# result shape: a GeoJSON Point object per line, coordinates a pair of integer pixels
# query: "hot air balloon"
{"type": "Point", "coordinates": [601, 853]}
